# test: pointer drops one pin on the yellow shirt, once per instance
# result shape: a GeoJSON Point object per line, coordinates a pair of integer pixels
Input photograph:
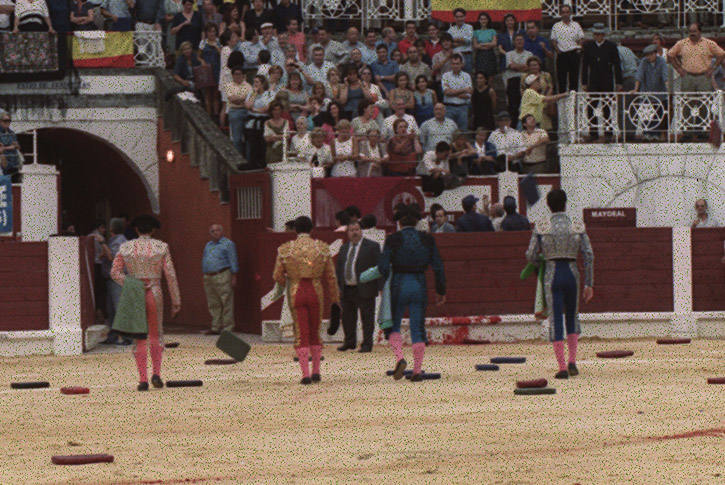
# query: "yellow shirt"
{"type": "Point", "coordinates": [696, 58]}
{"type": "Point", "coordinates": [532, 103]}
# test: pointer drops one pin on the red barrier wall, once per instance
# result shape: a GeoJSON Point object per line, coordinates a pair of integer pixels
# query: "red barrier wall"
{"type": "Point", "coordinates": [188, 208]}
{"type": "Point", "coordinates": [24, 283]}
{"type": "Point", "coordinates": [708, 271]}
{"type": "Point", "coordinates": [633, 272]}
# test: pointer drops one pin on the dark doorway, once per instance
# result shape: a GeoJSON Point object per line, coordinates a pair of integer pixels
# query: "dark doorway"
{"type": "Point", "coordinates": [96, 180]}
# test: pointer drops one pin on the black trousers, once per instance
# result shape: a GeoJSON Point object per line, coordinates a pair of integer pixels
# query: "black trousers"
{"type": "Point", "coordinates": [567, 68]}
{"type": "Point", "coordinates": [513, 92]}
{"type": "Point", "coordinates": [351, 303]}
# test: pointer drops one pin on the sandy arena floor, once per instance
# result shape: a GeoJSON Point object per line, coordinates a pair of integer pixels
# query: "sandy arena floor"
{"type": "Point", "coordinates": [650, 418]}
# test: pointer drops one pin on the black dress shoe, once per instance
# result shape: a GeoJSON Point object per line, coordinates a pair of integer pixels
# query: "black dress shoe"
{"type": "Point", "coordinates": [399, 369]}
{"type": "Point", "coordinates": [344, 347]}
{"type": "Point", "coordinates": [143, 386]}
{"type": "Point", "coordinates": [316, 378]}
{"type": "Point", "coordinates": [562, 374]}
{"type": "Point", "coordinates": [110, 341]}
{"type": "Point", "coordinates": [365, 348]}
{"type": "Point", "coordinates": [156, 381]}
{"type": "Point", "coordinates": [416, 377]}
{"type": "Point", "coordinates": [573, 371]}
{"type": "Point", "coordinates": [306, 380]}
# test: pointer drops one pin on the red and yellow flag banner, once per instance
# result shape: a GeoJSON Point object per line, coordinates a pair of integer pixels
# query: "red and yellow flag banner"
{"type": "Point", "coordinates": [523, 9]}
{"type": "Point", "coordinates": [103, 49]}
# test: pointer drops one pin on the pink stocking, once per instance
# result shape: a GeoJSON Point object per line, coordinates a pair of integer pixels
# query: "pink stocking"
{"type": "Point", "coordinates": [140, 355]}
{"type": "Point", "coordinates": [303, 353]}
{"type": "Point", "coordinates": [316, 351]}
{"type": "Point", "coordinates": [559, 352]}
{"type": "Point", "coordinates": [418, 353]}
{"type": "Point", "coordinates": [396, 343]}
{"type": "Point", "coordinates": [572, 340]}
{"type": "Point", "coordinates": [156, 353]}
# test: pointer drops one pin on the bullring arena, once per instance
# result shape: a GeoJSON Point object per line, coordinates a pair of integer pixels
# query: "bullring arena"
{"type": "Point", "coordinates": [649, 418]}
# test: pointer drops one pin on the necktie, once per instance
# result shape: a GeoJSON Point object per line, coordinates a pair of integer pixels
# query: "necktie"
{"type": "Point", "coordinates": [348, 264]}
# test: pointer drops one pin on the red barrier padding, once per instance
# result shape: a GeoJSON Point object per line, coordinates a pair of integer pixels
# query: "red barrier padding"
{"type": "Point", "coordinates": [220, 361]}
{"type": "Point", "coordinates": [531, 383]}
{"type": "Point", "coordinates": [716, 380]}
{"type": "Point", "coordinates": [470, 320]}
{"type": "Point", "coordinates": [614, 354]}
{"type": "Point", "coordinates": [673, 341]}
{"type": "Point", "coordinates": [81, 459]}
{"type": "Point", "coordinates": [171, 345]}
{"type": "Point", "coordinates": [74, 390]}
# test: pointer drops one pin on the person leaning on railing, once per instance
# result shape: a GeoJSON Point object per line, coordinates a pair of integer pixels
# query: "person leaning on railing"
{"type": "Point", "coordinates": [403, 150]}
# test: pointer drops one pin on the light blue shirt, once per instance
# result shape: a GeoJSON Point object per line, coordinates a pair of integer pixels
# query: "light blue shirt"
{"type": "Point", "coordinates": [119, 8]}
{"type": "Point", "coordinates": [628, 60]}
{"type": "Point", "coordinates": [219, 256]}
{"type": "Point", "coordinates": [368, 55]}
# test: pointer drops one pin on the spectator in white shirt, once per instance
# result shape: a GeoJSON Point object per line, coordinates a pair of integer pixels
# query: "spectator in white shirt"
{"type": "Point", "coordinates": [437, 175]}
{"type": "Point", "coordinates": [536, 141]}
{"type": "Point", "coordinates": [515, 69]}
{"type": "Point", "coordinates": [437, 129]}
{"type": "Point", "coordinates": [457, 89]}
{"type": "Point", "coordinates": [506, 140]}
{"type": "Point", "coordinates": [462, 34]}
{"type": "Point", "coordinates": [318, 154]}
{"type": "Point", "coordinates": [317, 70]}
{"type": "Point", "coordinates": [399, 114]}
{"type": "Point", "coordinates": [703, 218]}
{"type": "Point", "coordinates": [566, 38]}
{"type": "Point", "coordinates": [301, 140]}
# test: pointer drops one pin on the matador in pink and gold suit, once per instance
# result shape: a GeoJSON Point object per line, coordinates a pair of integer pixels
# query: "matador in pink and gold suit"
{"type": "Point", "coordinates": [146, 259]}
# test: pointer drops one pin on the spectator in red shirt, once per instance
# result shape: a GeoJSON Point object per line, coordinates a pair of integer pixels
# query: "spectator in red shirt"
{"type": "Point", "coordinates": [433, 45]}
{"type": "Point", "coordinates": [409, 39]}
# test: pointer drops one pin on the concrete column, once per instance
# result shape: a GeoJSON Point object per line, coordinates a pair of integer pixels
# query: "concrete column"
{"type": "Point", "coordinates": [508, 184]}
{"type": "Point", "coordinates": [39, 202]}
{"type": "Point", "coordinates": [291, 192]}
{"type": "Point", "coordinates": [64, 295]}
{"type": "Point", "coordinates": [683, 320]}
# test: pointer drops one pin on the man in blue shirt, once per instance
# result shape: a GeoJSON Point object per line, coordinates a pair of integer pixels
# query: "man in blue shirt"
{"type": "Point", "coordinates": [472, 221]}
{"type": "Point", "coordinates": [536, 44]}
{"type": "Point", "coordinates": [220, 268]}
{"type": "Point", "coordinates": [384, 70]}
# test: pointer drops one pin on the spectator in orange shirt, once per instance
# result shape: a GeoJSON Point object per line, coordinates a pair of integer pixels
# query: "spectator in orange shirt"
{"type": "Point", "coordinates": [692, 59]}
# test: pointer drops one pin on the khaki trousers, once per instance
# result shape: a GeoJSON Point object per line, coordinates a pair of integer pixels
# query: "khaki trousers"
{"type": "Point", "coordinates": [220, 300]}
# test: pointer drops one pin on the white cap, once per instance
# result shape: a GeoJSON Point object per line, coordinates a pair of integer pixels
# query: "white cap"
{"type": "Point", "coordinates": [266, 24]}
{"type": "Point", "coordinates": [530, 79]}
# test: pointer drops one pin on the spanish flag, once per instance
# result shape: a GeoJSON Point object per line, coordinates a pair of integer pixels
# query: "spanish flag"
{"type": "Point", "coordinates": [524, 10]}
{"type": "Point", "coordinates": [103, 49]}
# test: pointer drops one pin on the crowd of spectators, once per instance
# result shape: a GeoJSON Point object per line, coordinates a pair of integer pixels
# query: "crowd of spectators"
{"type": "Point", "coordinates": [382, 102]}
{"type": "Point", "coordinates": [489, 217]}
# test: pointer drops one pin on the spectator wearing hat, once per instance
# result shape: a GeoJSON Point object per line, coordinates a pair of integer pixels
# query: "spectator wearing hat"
{"type": "Point", "coordinates": [507, 141]}
{"type": "Point", "coordinates": [457, 89]}
{"type": "Point", "coordinates": [692, 58]}
{"type": "Point", "coordinates": [513, 220]}
{"type": "Point", "coordinates": [515, 69]}
{"type": "Point", "coordinates": [566, 38]}
{"type": "Point", "coordinates": [532, 102]}
{"type": "Point", "coordinates": [601, 69]}
{"type": "Point", "coordinates": [472, 220]}
{"type": "Point", "coordinates": [652, 73]}
{"type": "Point", "coordinates": [258, 15]}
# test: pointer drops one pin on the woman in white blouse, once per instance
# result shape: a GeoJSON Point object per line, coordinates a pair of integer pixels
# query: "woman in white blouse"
{"type": "Point", "coordinates": [342, 153]}
{"type": "Point", "coordinates": [32, 16]}
{"type": "Point", "coordinates": [301, 140]}
{"type": "Point", "coordinates": [371, 154]}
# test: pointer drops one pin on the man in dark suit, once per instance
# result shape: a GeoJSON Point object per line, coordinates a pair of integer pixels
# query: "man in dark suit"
{"type": "Point", "coordinates": [472, 221]}
{"type": "Point", "coordinates": [601, 70]}
{"type": "Point", "coordinates": [357, 255]}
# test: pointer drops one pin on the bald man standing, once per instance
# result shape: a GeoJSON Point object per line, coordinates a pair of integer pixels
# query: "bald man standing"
{"type": "Point", "coordinates": [220, 267]}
